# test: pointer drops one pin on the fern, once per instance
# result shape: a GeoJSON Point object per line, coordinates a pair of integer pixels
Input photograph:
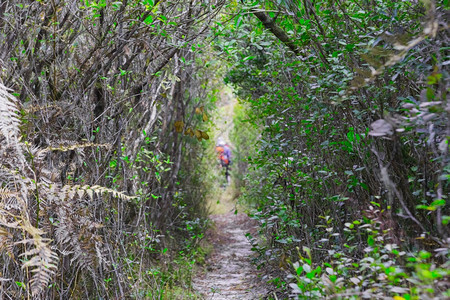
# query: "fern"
{"type": "Point", "coordinates": [42, 259]}
{"type": "Point", "coordinates": [27, 185]}
{"type": "Point", "coordinates": [90, 190]}
{"type": "Point", "coordinates": [69, 147]}
{"type": "Point", "coordinates": [6, 241]}
{"type": "Point", "coordinates": [9, 122]}
{"type": "Point", "coordinates": [76, 231]}
{"type": "Point", "coordinates": [6, 238]}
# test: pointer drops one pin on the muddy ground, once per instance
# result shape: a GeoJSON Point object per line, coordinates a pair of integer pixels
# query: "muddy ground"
{"type": "Point", "coordinates": [229, 273]}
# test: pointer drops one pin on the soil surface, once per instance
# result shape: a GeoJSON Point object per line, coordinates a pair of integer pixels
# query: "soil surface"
{"type": "Point", "coordinates": [229, 273]}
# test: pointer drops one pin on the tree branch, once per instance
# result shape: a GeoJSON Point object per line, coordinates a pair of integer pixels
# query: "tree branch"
{"type": "Point", "coordinates": [276, 30]}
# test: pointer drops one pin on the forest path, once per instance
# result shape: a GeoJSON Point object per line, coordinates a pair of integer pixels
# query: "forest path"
{"type": "Point", "coordinates": [229, 273]}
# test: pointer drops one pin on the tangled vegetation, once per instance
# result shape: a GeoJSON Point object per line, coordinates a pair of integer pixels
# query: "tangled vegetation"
{"type": "Point", "coordinates": [350, 179]}
{"type": "Point", "coordinates": [103, 139]}
{"type": "Point", "coordinates": [341, 136]}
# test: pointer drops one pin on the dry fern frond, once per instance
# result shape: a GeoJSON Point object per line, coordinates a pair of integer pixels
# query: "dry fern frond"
{"type": "Point", "coordinates": [39, 154]}
{"type": "Point", "coordinates": [43, 260]}
{"type": "Point", "coordinates": [5, 223]}
{"type": "Point", "coordinates": [5, 193]}
{"type": "Point", "coordinates": [21, 183]}
{"type": "Point", "coordinates": [36, 107]}
{"type": "Point", "coordinates": [81, 191]}
{"type": "Point", "coordinates": [75, 233]}
{"type": "Point", "coordinates": [76, 146]}
{"type": "Point", "coordinates": [6, 241]}
{"type": "Point", "coordinates": [6, 237]}
{"type": "Point", "coordinates": [9, 122]}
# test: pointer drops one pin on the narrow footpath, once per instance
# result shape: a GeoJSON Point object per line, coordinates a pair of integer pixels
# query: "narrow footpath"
{"type": "Point", "coordinates": [229, 273]}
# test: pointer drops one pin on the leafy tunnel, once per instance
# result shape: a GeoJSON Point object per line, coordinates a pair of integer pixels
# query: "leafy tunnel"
{"type": "Point", "coordinates": [338, 117]}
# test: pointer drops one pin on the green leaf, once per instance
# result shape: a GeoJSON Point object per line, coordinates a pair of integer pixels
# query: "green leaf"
{"type": "Point", "coordinates": [438, 202]}
{"type": "Point", "coordinates": [364, 186]}
{"type": "Point", "coordinates": [424, 254]}
{"type": "Point", "coordinates": [308, 251]}
{"type": "Point", "coordinates": [349, 47]}
{"type": "Point", "coordinates": [113, 163]}
{"type": "Point", "coordinates": [434, 78]}
{"type": "Point", "coordinates": [148, 20]}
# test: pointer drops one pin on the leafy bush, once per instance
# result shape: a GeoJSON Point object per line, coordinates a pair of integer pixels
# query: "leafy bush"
{"type": "Point", "coordinates": [353, 112]}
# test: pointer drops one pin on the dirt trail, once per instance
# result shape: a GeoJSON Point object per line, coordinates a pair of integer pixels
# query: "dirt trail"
{"type": "Point", "coordinates": [229, 273]}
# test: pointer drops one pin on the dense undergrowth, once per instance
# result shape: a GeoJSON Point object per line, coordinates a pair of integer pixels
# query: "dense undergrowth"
{"type": "Point", "coordinates": [104, 148]}
{"type": "Point", "coordinates": [105, 154]}
{"type": "Point", "coordinates": [349, 178]}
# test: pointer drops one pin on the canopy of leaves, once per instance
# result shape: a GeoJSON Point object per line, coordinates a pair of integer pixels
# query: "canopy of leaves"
{"type": "Point", "coordinates": [342, 131]}
{"type": "Point", "coordinates": [352, 159]}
